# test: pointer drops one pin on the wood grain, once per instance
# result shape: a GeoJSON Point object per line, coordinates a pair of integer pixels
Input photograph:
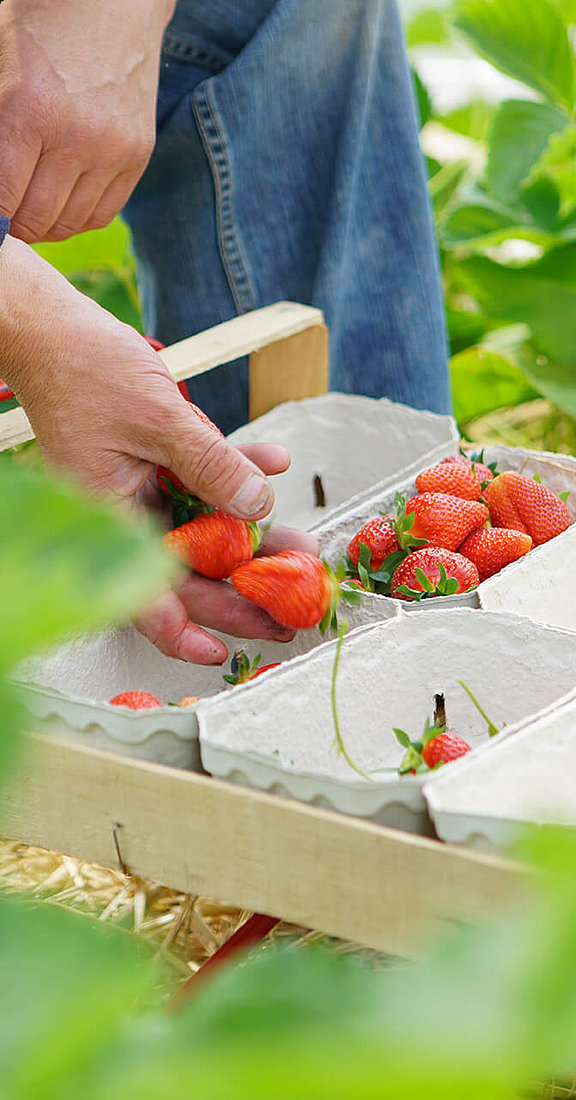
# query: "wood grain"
{"type": "Point", "coordinates": [339, 874]}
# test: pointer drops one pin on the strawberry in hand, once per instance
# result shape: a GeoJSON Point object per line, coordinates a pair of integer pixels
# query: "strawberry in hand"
{"type": "Point", "coordinates": [214, 543]}
{"type": "Point", "coordinates": [433, 571]}
{"type": "Point", "coordinates": [298, 590]}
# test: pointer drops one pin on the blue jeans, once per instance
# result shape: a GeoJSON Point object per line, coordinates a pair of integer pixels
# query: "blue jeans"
{"type": "Point", "coordinates": [287, 166]}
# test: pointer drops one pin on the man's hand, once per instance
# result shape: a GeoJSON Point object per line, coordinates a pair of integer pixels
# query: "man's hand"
{"type": "Point", "coordinates": [104, 408]}
{"type": "Point", "coordinates": [78, 87]}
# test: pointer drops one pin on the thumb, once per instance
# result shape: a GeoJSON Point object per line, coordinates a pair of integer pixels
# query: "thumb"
{"type": "Point", "coordinates": [214, 470]}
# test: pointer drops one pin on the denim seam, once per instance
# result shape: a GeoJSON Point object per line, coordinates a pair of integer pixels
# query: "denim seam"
{"type": "Point", "coordinates": [179, 49]}
{"type": "Point", "coordinates": [230, 251]}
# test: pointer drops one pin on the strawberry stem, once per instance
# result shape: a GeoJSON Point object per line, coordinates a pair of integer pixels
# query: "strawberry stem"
{"type": "Point", "coordinates": [492, 729]}
{"type": "Point", "coordinates": [338, 742]}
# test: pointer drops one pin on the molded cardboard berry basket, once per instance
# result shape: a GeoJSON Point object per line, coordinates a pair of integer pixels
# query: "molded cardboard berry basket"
{"type": "Point", "coordinates": [345, 440]}
{"type": "Point", "coordinates": [541, 585]}
{"type": "Point", "coordinates": [340, 874]}
{"type": "Point", "coordinates": [529, 778]}
{"type": "Point", "coordinates": [69, 689]}
{"type": "Point", "coordinates": [278, 733]}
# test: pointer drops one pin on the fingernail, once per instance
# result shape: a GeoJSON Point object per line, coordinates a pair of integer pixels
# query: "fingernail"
{"type": "Point", "coordinates": [252, 496]}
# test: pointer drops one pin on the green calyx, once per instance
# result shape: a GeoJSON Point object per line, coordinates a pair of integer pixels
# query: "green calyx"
{"type": "Point", "coordinates": [241, 670]}
{"type": "Point", "coordinates": [185, 506]}
{"type": "Point", "coordinates": [330, 618]}
{"type": "Point", "coordinates": [413, 761]}
{"type": "Point", "coordinates": [403, 524]}
{"type": "Point", "coordinates": [445, 586]}
{"type": "Point", "coordinates": [375, 580]}
{"type": "Point", "coordinates": [255, 536]}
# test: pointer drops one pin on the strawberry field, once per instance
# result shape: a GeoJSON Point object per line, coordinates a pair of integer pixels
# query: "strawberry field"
{"type": "Point", "coordinates": [425, 694]}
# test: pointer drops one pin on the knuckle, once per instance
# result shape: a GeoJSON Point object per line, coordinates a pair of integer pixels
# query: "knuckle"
{"type": "Point", "coordinates": [214, 464]}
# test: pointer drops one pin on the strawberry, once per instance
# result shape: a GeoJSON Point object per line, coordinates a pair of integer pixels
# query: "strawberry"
{"type": "Point", "coordinates": [523, 504]}
{"type": "Point", "coordinates": [241, 670]}
{"type": "Point", "coordinates": [492, 548]}
{"type": "Point", "coordinates": [136, 700]}
{"type": "Point", "coordinates": [214, 543]}
{"type": "Point", "coordinates": [433, 571]}
{"type": "Point", "coordinates": [438, 519]}
{"type": "Point", "coordinates": [189, 700]}
{"type": "Point", "coordinates": [483, 472]}
{"type": "Point", "coordinates": [443, 748]}
{"type": "Point", "coordinates": [298, 590]}
{"type": "Point", "coordinates": [457, 479]}
{"type": "Point", "coordinates": [379, 537]}
{"type": "Point", "coordinates": [436, 746]}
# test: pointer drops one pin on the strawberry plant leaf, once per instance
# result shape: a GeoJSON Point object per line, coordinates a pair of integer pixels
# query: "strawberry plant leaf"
{"type": "Point", "coordinates": [72, 563]}
{"type": "Point", "coordinates": [525, 39]}
{"type": "Point", "coordinates": [526, 127]}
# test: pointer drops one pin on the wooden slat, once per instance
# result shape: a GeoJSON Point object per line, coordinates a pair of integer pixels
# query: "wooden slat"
{"type": "Point", "coordinates": [345, 876]}
{"type": "Point", "coordinates": [240, 336]}
{"type": "Point", "coordinates": [266, 328]}
{"type": "Point", "coordinates": [288, 371]}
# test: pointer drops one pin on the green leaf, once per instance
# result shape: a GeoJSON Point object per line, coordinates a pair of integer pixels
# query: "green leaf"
{"type": "Point", "coordinates": [107, 248]}
{"type": "Point", "coordinates": [558, 161]}
{"type": "Point", "coordinates": [482, 380]}
{"type": "Point", "coordinates": [427, 27]}
{"type": "Point", "coordinates": [554, 380]}
{"type": "Point", "coordinates": [567, 9]}
{"type": "Point", "coordinates": [478, 217]}
{"type": "Point", "coordinates": [541, 198]}
{"type": "Point", "coordinates": [70, 990]}
{"type": "Point", "coordinates": [472, 119]}
{"type": "Point", "coordinates": [520, 133]}
{"type": "Point", "coordinates": [526, 39]}
{"type": "Point", "coordinates": [464, 328]}
{"type": "Point", "coordinates": [71, 563]}
{"type": "Point", "coordinates": [542, 293]}
{"type": "Point", "coordinates": [443, 185]}
{"type": "Point", "coordinates": [423, 101]}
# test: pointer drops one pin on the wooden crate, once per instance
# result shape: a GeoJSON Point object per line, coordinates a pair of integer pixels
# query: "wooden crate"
{"type": "Point", "coordinates": [338, 874]}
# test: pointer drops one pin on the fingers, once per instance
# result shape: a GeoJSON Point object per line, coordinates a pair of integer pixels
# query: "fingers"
{"type": "Point", "coordinates": [167, 625]}
{"type": "Point", "coordinates": [212, 468]}
{"type": "Point", "coordinates": [54, 178]}
{"type": "Point", "coordinates": [270, 457]}
{"type": "Point", "coordinates": [216, 605]}
{"type": "Point", "coordinates": [19, 158]}
{"type": "Point", "coordinates": [278, 539]}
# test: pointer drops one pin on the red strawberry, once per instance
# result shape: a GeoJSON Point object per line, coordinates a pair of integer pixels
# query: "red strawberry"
{"type": "Point", "coordinates": [443, 748]}
{"type": "Point", "coordinates": [457, 479]}
{"type": "Point", "coordinates": [523, 504]}
{"type": "Point", "coordinates": [169, 483]}
{"type": "Point", "coordinates": [136, 700]}
{"type": "Point", "coordinates": [483, 472]}
{"type": "Point", "coordinates": [492, 548]}
{"type": "Point", "coordinates": [443, 520]}
{"type": "Point", "coordinates": [298, 590]}
{"type": "Point", "coordinates": [214, 543]}
{"type": "Point", "coordinates": [436, 746]}
{"type": "Point", "coordinates": [433, 571]}
{"type": "Point", "coordinates": [241, 670]}
{"type": "Point", "coordinates": [380, 538]}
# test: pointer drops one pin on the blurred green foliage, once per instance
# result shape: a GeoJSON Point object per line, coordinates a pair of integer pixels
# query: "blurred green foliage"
{"type": "Point", "coordinates": [484, 1010]}
{"type": "Point", "coordinates": [515, 183]}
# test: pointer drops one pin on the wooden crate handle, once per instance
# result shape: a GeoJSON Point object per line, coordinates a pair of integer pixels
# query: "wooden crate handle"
{"type": "Point", "coordinates": [288, 348]}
